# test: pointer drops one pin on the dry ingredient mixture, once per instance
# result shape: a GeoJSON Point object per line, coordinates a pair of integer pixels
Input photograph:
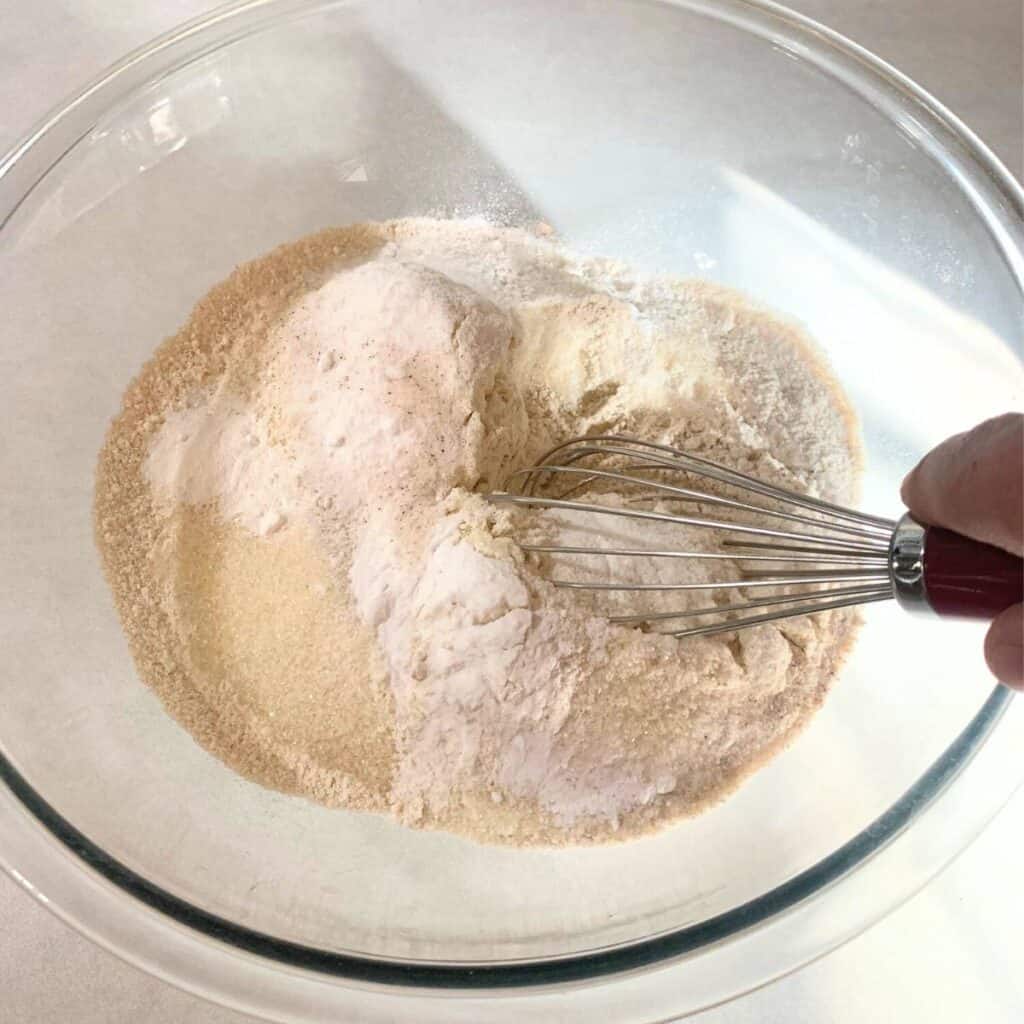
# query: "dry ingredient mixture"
{"type": "Point", "coordinates": [288, 508]}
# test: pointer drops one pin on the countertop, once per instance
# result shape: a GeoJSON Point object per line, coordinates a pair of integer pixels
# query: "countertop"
{"type": "Point", "coordinates": [949, 954]}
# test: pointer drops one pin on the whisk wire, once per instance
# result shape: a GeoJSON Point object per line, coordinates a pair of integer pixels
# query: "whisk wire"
{"type": "Point", "coordinates": [686, 462]}
{"type": "Point", "coordinates": [670, 492]}
{"type": "Point", "coordinates": [788, 613]}
{"type": "Point", "coordinates": [842, 553]}
{"type": "Point", "coordinates": [568, 549]}
{"type": "Point", "coordinates": [827, 543]}
{"type": "Point", "coordinates": [764, 602]}
{"type": "Point", "coordinates": [773, 581]}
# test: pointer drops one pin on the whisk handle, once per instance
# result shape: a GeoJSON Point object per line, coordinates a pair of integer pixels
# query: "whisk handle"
{"type": "Point", "coordinates": [968, 579]}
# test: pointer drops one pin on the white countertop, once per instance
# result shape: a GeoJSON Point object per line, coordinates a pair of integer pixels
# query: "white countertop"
{"type": "Point", "coordinates": [949, 954]}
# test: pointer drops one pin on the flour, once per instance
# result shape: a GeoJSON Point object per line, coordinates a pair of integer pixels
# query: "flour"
{"type": "Point", "coordinates": [220, 450]}
{"type": "Point", "coordinates": [339, 436]}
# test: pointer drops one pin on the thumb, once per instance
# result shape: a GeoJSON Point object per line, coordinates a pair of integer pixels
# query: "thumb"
{"type": "Point", "coordinates": [1004, 647]}
{"type": "Point", "coordinates": [973, 483]}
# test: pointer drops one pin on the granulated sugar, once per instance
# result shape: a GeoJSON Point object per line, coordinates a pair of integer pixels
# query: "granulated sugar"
{"type": "Point", "coordinates": [288, 510]}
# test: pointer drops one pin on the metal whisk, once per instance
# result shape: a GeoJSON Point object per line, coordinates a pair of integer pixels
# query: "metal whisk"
{"type": "Point", "coordinates": [823, 556]}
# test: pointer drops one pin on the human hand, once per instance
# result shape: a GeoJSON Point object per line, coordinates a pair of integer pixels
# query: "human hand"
{"type": "Point", "coordinates": [973, 483]}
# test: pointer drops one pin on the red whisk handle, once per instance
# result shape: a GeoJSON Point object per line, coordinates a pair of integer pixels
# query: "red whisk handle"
{"type": "Point", "coordinates": [966, 578]}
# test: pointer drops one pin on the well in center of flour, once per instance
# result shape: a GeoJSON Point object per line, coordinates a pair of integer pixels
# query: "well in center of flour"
{"type": "Point", "coordinates": [289, 513]}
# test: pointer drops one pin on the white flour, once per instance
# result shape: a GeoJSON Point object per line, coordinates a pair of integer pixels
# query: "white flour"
{"type": "Point", "coordinates": [385, 397]}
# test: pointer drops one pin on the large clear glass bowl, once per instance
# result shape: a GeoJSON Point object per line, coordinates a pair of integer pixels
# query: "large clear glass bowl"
{"type": "Point", "coordinates": [728, 139]}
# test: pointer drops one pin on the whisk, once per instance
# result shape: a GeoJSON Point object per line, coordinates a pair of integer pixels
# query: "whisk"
{"type": "Point", "coordinates": [796, 554]}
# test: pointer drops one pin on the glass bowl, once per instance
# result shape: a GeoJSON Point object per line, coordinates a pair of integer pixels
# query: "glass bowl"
{"type": "Point", "coordinates": [728, 139]}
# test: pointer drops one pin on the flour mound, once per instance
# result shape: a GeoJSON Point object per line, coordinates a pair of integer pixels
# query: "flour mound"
{"type": "Point", "coordinates": [298, 472]}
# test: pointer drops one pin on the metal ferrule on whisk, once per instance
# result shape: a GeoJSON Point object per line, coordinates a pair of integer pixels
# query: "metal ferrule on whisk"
{"type": "Point", "coordinates": [906, 564]}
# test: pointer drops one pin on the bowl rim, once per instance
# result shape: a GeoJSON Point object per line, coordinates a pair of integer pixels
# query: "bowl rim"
{"type": "Point", "coordinates": [25, 812]}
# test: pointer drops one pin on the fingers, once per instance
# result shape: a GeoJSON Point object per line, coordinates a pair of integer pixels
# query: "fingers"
{"type": "Point", "coordinates": [973, 483]}
{"type": "Point", "coordinates": [1004, 647]}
